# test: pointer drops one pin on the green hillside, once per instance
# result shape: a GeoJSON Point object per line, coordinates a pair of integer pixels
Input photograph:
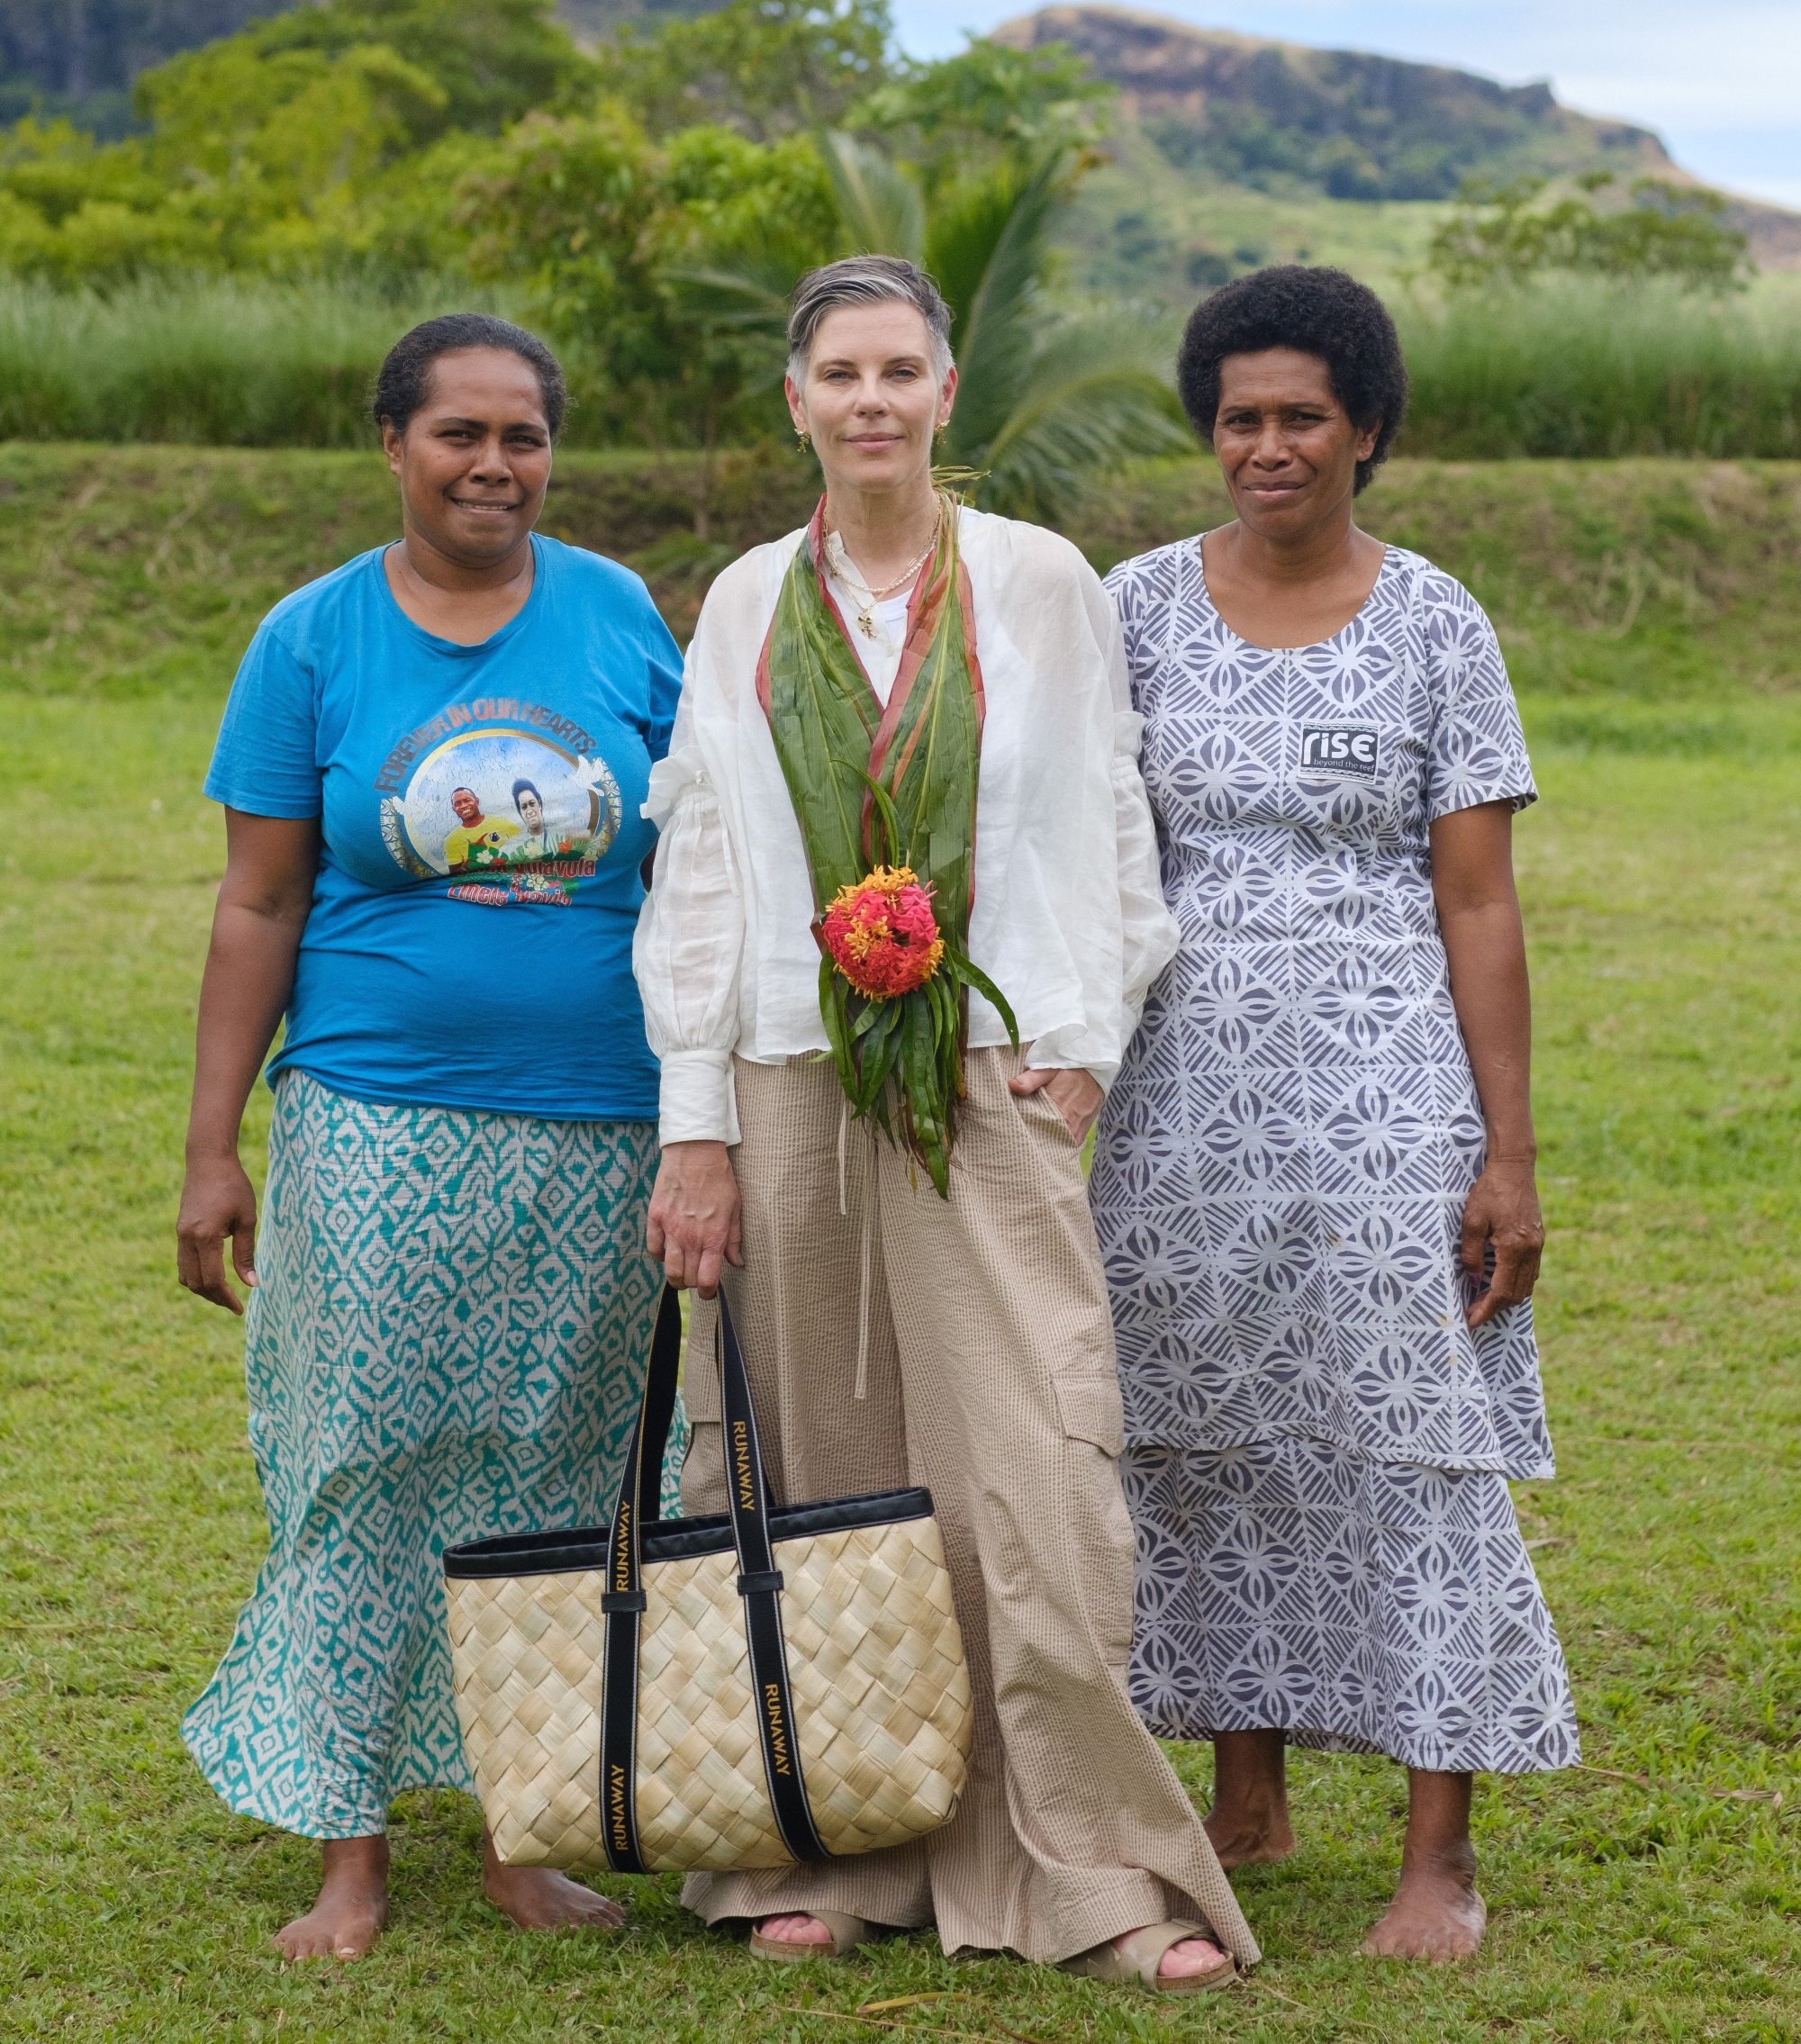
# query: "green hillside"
{"type": "Point", "coordinates": [1143, 227]}
{"type": "Point", "coordinates": [1229, 151]}
{"type": "Point", "coordinates": [1277, 116]}
{"type": "Point", "coordinates": [1232, 151]}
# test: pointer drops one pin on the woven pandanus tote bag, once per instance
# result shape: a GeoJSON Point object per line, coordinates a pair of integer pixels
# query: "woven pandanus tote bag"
{"type": "Point", "coordinates": [752, 1689]}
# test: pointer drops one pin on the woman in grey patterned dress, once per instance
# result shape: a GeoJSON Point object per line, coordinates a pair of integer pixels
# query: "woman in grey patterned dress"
{"type": "Point", "coordinates": [1313, 1179]}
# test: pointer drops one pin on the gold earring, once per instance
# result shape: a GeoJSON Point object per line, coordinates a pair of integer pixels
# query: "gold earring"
{"type": "Point", "coordinates": [801, 435]}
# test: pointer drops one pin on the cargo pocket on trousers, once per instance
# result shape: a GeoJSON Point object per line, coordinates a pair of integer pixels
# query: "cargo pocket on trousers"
{"type": "Point", "coordinates": [1090, 1411]}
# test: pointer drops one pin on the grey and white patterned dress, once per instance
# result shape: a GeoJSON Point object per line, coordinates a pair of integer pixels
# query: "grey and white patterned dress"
{"type": "Point", "coordinates": [1317, 1448]}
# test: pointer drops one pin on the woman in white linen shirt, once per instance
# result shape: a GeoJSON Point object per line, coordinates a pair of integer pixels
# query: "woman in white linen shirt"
{"type": "Point", "coordinates": [894, 1337]}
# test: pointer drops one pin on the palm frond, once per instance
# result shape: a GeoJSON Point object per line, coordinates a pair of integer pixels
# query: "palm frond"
{"type": "Point", "coordinates": [1098, 394]}
{"type": "Point", "coordinates": [749, 296]}
{"type": "Point", "coordinates": [997, 337]}
{"type": "Point", "coordinates": [965, 230]}
{"type": "Point", "coordinates": [883, 210]}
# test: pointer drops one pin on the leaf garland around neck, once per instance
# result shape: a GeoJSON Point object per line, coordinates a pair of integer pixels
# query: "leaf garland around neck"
{"type": "Point", "coordinates": [885, 797]}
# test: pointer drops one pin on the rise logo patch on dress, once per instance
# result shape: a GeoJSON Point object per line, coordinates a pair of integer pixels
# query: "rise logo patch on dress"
{"type": "Point", "coordinates": [1339, 748]}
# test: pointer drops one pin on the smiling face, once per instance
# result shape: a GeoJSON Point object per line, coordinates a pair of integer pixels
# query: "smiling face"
{"type": "Point", "coordinates": [473, 462]}
{"type": "Point", "coordinates": [531, 811]}
{"type": "Point", "coordinates": [1286, 447]}
{"type": "Point", "coordinates": [468, 809]}
{"type": "Point", "coordinates": [870, 401]}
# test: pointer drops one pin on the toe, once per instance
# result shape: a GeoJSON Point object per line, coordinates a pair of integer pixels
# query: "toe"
{"type": "Point", "coordinates": [1192, 1956]}
{"type": "Point", "coordinates": [795, 1931]}
{"type": "Point", "coordinates": [299, 1942]}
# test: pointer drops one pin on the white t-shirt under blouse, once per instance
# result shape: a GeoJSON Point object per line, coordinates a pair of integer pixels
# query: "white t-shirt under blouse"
{"type": "Point", "coordinates": [879, 655]}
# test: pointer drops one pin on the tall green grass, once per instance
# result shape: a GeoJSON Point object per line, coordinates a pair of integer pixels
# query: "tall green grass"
{"type": "Point", "coordinates": [1580, 371]}
{"type": "Point", "coordinates": [219, 363]}
{"type": "Point", "coordinates": [1588, 371]}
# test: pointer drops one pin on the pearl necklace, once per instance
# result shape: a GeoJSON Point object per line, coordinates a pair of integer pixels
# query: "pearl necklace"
{"type": "Point", "coordinates": [848, 572]}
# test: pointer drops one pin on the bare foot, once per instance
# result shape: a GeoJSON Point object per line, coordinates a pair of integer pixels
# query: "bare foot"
{"type": "Point", "coordinates": [1244, 1841]}
{"type": "Point", "coordinates": [795, 1931]}
{"type": "Point", "coordinates": [352, 1906]}
{"type": "Point", "coordinates": [539, 1898]}
{"type": "Point", "coordinates": [1182, 1961]}
{"type": "Point", "coordinates": [1436, 1913]}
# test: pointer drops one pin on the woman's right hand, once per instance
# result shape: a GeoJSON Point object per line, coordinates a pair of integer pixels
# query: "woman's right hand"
{"type": "Point", "coordinates": [696, 1225]}
{"type": "Point", "coordinates": [217, 1200]}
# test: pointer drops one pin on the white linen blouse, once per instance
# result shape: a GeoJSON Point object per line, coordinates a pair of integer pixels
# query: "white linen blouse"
{"type": "Point", "coordinates": [1069, 919]}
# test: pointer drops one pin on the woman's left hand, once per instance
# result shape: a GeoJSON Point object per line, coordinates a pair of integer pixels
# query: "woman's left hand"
{"type": "Point", "coordinates": [1073, 1094]}
{"type": "Point", "coordinates": [1502, 1209]}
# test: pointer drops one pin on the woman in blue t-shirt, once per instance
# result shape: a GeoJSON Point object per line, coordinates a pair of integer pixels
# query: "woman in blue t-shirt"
{"type": "Point", "coordinates": [451, 1299]}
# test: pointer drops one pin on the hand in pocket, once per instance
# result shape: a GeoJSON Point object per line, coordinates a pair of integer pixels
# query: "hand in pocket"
{"type": "Point", "coordinates": [1073, 1093]}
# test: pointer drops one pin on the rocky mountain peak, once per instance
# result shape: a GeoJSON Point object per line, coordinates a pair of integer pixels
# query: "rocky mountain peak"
{"type": "Point", "coordinates": [1356, 126]}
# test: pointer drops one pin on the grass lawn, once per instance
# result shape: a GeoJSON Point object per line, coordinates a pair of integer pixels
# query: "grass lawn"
{"type": "Point", "coordinates": [1655, 1895]}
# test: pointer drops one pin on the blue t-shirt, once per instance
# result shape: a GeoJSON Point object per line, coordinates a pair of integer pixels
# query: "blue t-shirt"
{"type": "Point", "coordinates": [469, 943]}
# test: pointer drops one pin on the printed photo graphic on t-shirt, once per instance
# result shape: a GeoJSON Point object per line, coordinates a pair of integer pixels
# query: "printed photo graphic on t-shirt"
{"type": "Point", "coordinates": [507, 814]}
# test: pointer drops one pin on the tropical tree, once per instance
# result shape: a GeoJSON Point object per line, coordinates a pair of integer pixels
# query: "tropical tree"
{"type": "Point", "coordinates": [330, 135]}
{"type": "Point", "coordinates": [962, 114]}
{"type": "Point", "coordinates": [767, 67]}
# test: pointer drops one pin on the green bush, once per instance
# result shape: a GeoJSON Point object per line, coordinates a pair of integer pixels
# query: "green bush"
{"type": "Point", "coordinates": [1587, 370]}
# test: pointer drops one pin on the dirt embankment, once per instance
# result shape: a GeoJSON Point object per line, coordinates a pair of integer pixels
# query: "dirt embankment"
{"type": "Point", "coordinates": [144, 570]}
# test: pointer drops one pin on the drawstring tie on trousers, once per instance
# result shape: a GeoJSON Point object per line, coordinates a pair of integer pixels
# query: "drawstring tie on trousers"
{"type": "Point", "coordinates": [867, 1246]}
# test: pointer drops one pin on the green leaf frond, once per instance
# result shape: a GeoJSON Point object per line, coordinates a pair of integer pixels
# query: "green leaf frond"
{"type": "Point", "coordinates": [750, 298]}
{"type": "Point", "coordinates": [1096, 394]}
{"type": "Point", "coordinates": [988, 250]}
{"type": "Point", "coordinates": [880, 205]}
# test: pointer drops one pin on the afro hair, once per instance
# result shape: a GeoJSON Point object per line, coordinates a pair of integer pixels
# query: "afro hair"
{"type": "Point", "coordinates": [1320, 311]}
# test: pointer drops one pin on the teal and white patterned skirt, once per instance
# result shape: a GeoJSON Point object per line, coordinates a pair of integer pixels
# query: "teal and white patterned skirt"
{"type": "Point", "coordinates": [447, 1340]}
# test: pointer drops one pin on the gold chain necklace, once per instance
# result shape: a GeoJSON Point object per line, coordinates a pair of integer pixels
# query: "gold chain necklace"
{"type": "Point", "coordinates": [847, 572]}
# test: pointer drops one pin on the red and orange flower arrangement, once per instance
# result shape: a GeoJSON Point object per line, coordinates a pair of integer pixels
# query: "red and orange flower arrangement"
{"type": "Point", "coordinates": [882, 933]}
{"type": "Point", "coordinates": [892, 989]}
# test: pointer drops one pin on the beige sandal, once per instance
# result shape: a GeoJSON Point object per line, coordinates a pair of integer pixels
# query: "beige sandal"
{"type": "Point", "coordinates": [1138, 1956]}
{"type": "Point", "coordinates": [847, 1933]}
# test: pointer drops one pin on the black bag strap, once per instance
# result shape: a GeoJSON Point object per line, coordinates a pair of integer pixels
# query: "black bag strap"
{"type": "Point", "coordinates": [638, 1499]}
{"type": "Point", "coordinates": [658, 1412]}
{"type": "Point", "coordinates": [759, 1586]}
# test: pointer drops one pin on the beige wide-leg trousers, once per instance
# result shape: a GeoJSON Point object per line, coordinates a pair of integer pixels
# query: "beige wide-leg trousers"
{"type": "Point", "coordinates": [979, 1331]}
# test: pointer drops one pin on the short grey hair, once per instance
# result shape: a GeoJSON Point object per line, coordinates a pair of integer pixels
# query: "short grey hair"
{"type": "Point", "coordinates": [866, 280]}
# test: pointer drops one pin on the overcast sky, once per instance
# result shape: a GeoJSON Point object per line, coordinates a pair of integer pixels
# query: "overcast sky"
{"type": "Point", "coordinates": [1720, 83]}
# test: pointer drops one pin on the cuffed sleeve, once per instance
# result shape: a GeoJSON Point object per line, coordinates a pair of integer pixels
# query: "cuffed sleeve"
{"type": "Point", "coordinates": [1062, 1049]}
{"type": "Point", "coordinates": [698, 1102]}
{"type": "Point", "coordinates": [688, 952]}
